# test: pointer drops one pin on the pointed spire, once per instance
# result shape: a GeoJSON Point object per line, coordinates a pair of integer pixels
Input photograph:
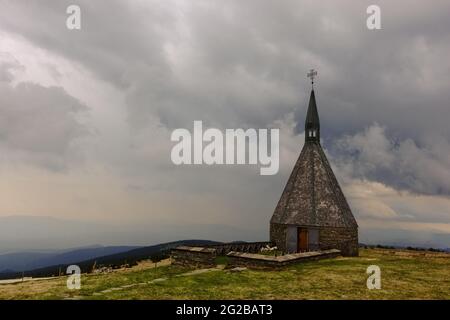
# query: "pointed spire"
{"type": "Point", "coordinates": [312, 123]}
{"type": "Point", "coordinates": [312, 74]}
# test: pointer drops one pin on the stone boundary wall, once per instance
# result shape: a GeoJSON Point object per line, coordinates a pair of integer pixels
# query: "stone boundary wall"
{"type": "Point", "coordinates": [206, 256]}
{"type": "Point", "coordinates": [259, 261]}
{"type": "Point", "coordinates": [250, 247]}
{"type": "Point", "coordinates": [193, 256]}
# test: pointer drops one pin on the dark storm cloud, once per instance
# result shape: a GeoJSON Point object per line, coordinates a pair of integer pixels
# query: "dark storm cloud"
{"type": "Point", "coordinates": [403, 164]}
{"type": "Point", "coordinates": [243, 63]}
{"type": "Point", "coordinates": [37, 124]}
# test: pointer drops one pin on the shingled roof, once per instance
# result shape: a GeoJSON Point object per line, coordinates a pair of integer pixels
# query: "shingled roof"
{"type": "Point", "coordinates": [312, 196]}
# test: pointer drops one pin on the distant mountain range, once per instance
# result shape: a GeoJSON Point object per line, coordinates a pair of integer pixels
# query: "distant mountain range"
{"type": "Point", "coordinates": [47, 234]}
{"type": "Point", "coordinates": [78, 257]}
{"type": "Point", "coordinates": [21, 261]}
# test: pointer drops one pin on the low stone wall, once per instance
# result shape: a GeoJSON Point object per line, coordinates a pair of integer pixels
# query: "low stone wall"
{"type": "Point", "coordinates": [193, 256]}
{"type": "Point", "coordinates": [259, 261]}
{"type": "Point", "coordinates": [206, 257]}
{"type": "Point", "coordinates": [250, 247]}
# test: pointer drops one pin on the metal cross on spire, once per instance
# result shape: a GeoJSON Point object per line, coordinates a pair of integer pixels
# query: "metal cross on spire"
{"type": "Point", "coordinates": [312, 74]}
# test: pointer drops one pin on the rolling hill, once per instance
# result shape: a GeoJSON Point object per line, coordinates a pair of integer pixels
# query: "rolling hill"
{"type": "Point", "coordinates": [116, 259]}
{"type": "Point", "coordinates": [22, 261]}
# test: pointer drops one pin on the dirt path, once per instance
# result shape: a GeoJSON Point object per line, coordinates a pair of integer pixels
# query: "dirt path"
{"type": "Point", "coordinates": [26, 279]}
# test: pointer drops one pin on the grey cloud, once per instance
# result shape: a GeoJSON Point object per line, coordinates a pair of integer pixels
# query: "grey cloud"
{"type": "Point", "coordinates": [232, 66]}
{"type": "Point", "coordinates": [38, 124]}
{"type": "Point", "coordinates": [225, 64]}
{"type": "Point", "coordinates": [373, 155]}
{"type": "Point", "coordinates": [114, 35]}
{"type": "Point", "coordinates": [8, 66]}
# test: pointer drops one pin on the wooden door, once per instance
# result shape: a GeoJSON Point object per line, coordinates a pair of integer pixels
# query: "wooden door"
{"type": "Point", "coordinates": [302, 240]}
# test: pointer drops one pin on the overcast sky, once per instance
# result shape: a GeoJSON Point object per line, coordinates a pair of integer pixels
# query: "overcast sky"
{"type": "Point", "coordinates": [86, 115]}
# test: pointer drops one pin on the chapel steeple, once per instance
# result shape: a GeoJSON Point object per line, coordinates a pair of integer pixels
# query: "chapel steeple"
{"type": "Point", "coordinates": [312, 123]}
{"type": "Point", "coordinates": [312, 213]}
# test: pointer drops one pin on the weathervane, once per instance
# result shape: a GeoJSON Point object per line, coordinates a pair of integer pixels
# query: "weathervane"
{"type": "Point", "coordinates": [311, 74]}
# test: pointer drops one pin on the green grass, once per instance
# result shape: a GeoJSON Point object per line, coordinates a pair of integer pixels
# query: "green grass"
{"type": "Point", "coordinates": [407, 275]}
